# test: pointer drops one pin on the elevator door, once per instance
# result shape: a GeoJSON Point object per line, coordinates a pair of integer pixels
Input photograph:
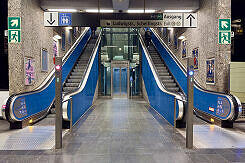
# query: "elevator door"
{"type": "Point", "coordinates": [120, 82]}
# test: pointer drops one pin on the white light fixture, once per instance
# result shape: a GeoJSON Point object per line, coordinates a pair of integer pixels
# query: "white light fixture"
{"type": "Point", "coordinates": [141, 11]}
{"type": "Point", "coordinates": [68, 28]}
{"type": "Point", "coordinates": [178, 10]}
{"type": "Point", "coordinates": [57, 37]}
{"type": "Point", "coordinates": [181, 38]}
{"type": "Point", "coordinates": [63, 10]}
{"type": "Point", "coordinates": [106, 11]}
{"type": "Point", "coordinates": [101, 11]}
{"type": "Point", "coordinates": [150, 11]}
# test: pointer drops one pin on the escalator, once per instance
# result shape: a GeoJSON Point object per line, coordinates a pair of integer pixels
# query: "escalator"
{"type": "Point", "coordinates": [221, 109]}
{"type": "Point", "coordinates": [164, 74]}
{"type": "Point", "coordinates": [27, 108]}
{"type": "Point", "coordinates": [77, 73]}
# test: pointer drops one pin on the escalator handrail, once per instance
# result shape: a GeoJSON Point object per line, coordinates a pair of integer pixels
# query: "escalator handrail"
{"type": "Point", "coordinates": [178, 97]}
{"type": "Point", "coordinates": [84, 79]}
{"type": "Point", "coordinates": [45, 83]}
{"type": "Point", "coordinates": [233, 99]}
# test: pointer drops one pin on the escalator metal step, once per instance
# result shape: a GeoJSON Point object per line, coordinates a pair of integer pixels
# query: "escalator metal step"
{"type": "Point", "coordinates": [72, 84]}
{"type": "Point", "coordinates": [174, 89]}
{"type": "Point", "coordinates": [74, 80]}
{"type": "Point", "coordinates": [167, 81]}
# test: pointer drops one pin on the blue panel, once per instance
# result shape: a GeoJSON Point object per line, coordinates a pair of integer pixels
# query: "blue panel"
{"type": "Point", "coordinates": [65, 19]}
{"type": "Point", "coordinates": [39, 101]}
{"type": "Point", "coordinates": [83, 100]}
{"type": "Point", "coordinates": [203, 100]}
{"type": "Point", "coordinates": [124, 83]}
{"type": "Point", "coordinates": [116, 81]}
{"type": "Point", "coordinates": [162, 102]}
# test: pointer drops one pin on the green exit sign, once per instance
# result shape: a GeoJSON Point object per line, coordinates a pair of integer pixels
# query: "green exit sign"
{"type": "Point", "coordinates": [225, 25]}
{"type": "Point", "coordinates": [14, 23]}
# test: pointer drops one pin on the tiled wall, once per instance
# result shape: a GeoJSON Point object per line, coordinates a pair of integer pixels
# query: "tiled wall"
{"type": "Point", "coordinates": [34, 37]}
{"type": "Point", "coordinates": [205, 37]}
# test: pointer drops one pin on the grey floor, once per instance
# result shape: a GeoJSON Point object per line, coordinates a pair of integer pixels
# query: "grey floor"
{"type": "Point", "coordinates": [124, 131]}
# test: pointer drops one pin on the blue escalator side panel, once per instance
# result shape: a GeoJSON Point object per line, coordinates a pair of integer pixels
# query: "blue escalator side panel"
{"type": "Point", "coordinates": [162, 102]}
{"type": "Point", "coordinates": [203, 100]}
{"type": "Point", "coordinates": [82, 101]}
{"type": "Point", "coordinates": [39, 101]}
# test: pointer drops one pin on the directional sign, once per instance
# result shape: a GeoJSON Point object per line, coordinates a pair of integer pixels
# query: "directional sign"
{"type": "Point", "coordinates": [224, 31]}
{"type": "Point", "coordinates": [224, 37]}
{"type": "Point", "coordinates": [190, 20]}
{"type": "Point", "coordinates": [14, 36]}
{"type": "Point", "coordinates": [51, 19]}
{"type": "Point", "coordinates": [65, 19]}
{"type": "Point", "coordinates": [225, 25]}
{"type": "Point", "coordinates": [14, 23]}
{"type": "Point", "coordinates": [172, 19]}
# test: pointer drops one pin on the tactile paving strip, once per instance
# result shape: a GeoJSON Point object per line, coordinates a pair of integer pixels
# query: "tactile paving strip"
{"type": "Point", "coordinates": [29, 138]}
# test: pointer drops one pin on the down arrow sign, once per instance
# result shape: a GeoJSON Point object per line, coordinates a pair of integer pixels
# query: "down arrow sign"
{"type": "Point", "coordinates": [190, 17]}
{"type": "Point", "coordinates": [51, 21]}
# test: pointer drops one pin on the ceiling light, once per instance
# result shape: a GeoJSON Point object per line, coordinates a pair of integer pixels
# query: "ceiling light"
{"type": "Point", "coordinates": [106, 11]}
{"type": "Point", "coordinates": [101, 11]}
{"type": "Point", "coordinates": [141, 11]}
{"type": "Point", "coordinates": [62, 10]}
{"type": "Point", "coordinates": [58, 37]}
{"type": "Point", "coordinates": [181, 38]}
{"type": "Point", "coordinates": [69, 28]}
{"type": "Point", "coordinates": [150, 11]}
{"type": "Point", "coordinates": [178, 10]}
{"type": "Point", "coordinates": [92, 10]}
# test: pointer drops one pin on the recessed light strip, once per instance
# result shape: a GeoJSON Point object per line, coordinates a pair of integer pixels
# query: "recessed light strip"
{"type": "Point", "coordinates": [62, 10]}
{"type": "Point", "coordinates": [178, 10]}
{"type": "Point", "coordinates": [101, 11]}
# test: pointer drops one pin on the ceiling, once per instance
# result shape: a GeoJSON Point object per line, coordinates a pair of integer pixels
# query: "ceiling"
{"type": "Point", "coordinates": [158, 5]}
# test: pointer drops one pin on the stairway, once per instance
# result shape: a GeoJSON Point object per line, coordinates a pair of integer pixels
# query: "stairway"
{"type": "Point", "coordinates": [75, 77]}
{"type": "Point", "coordinates": [163, 72]}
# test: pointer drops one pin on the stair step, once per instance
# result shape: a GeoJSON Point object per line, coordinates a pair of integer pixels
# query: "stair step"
{"type": "Point", "coordinates": [167, 81]}
{"type": "Point", "coordinates": [174, 89]}
{"type": "Point", "coordinates": [78, 70]}
{"type": "Point", "coordinates": [72, 84]}
{"type": "Point", "coordinates": [76, 73]}
{"type": "Point", "coordinates": [166, 77]}
{"type": "Point", "coordinates": [170, 85]}
{"type": "Point", "coordinates": [75, 77]}
{"type": "Point", "coordinates": [163, 74]}
{"type": "Point", "coordinates": [68, 89]}
{"type": "Point", "coordinates": [74, 80]}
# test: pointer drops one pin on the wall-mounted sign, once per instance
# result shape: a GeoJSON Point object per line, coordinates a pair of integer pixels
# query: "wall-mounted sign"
{"type": "Point", "coordinates": [111, 20]}
{"type": "Point", "coordinates": [44, 60]}
{"type": "Point", "coordinates": [65, 19]}
{"type": "Point", "coordinates": [131, 23]}
{"type": "Point", "coordinates": [14, 29]}
{"type": "Point", "coordinates": [184, 49]}
{"type": "Point", "coordinates": [190, 20]}
{"type": "Point", "coordinates": [195, 55]}
{"type": "Point", "coordinates": [172, 20]}
{"type": "Point", "coordinates": [29, 71]}
{"type": "Point", "coordinates": [51, 19]}
{"type": "Point", "coordinates": [224, 31]}
{"type": "Point", "coordinates": [210, 71]}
